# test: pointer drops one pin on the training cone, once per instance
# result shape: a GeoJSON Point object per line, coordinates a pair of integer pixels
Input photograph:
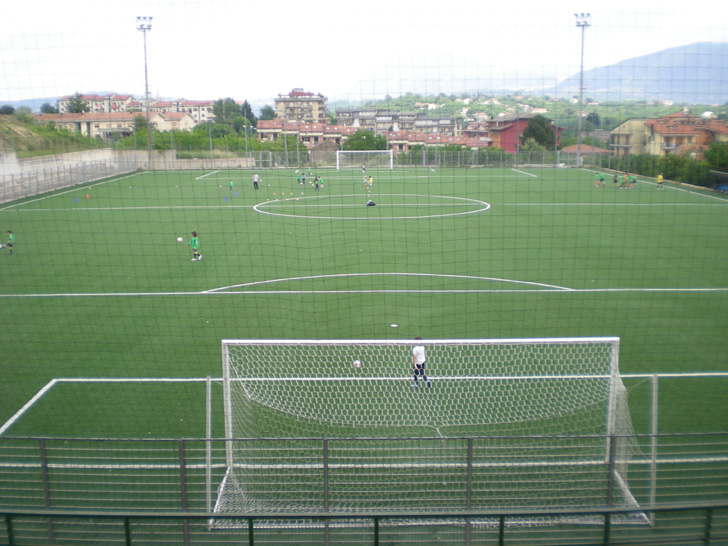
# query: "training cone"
{"type": "Point", "coordinates": [87, 197]}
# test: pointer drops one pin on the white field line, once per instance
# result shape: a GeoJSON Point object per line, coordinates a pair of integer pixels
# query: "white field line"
{"type": "Point", "coordinates": [70, 190]}
{"type": "Point", "coordinates": [524, 172]}
{"type": "Point", "coordinates": [223, 292]}
{"type": "Point", "coordinates": [347, 275]}
{"type": "Point", "coordinates": [206, 175]}
{"type": "Point", "coordinates": [30, 403]}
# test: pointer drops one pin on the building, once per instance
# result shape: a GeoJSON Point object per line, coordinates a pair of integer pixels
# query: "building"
{"type": "Point", "coordinates": [199, 110]}
{"type": "Point", "coordinates": [299, 105]}
{"type": "Point", "coordinates": [678, 133]}
{"type": "Point", "coordinates": [629, 138]}
{"type": "Point", "coordinates": [93, 125]}
{"type": "Point", "coordinates": [97, 103]}
{"type": "Point", "coordinates": [172, 121]}
{"type": "Point", "coordinates": [381, 121]}
{"type": "Point", "coordinates": [505, 131]}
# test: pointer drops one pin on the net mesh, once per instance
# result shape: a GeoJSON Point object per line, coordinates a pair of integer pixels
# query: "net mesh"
{"type": "Point", "coordinates": [538, 415]}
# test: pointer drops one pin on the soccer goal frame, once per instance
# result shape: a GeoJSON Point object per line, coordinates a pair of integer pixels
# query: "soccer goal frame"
{"type": "Point", "coordinates": [300, 413]}
{"type": "Point", "coordinates": [368, 158]}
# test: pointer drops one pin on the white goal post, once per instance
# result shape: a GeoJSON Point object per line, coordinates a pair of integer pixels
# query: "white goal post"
{"type": "Point", "coordinates": [506, 424]}
{"type": "Point", "coordinates": [364, 158]}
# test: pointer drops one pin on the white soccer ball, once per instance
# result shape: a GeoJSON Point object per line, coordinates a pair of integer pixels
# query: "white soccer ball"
{"type": "Point", "coordinates": [356, 363]}
{"type": "Point", "coordinates": [179, 239]}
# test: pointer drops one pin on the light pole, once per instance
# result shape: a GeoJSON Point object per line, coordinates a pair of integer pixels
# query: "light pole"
{"type": "Point", "coordinates": [583, 20]}
{"type": "Point", "coordinates": [144, 24]}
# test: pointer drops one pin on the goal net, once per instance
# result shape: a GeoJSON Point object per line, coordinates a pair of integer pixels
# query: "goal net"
{"type": "Point", "coordinates": [369, 159]}
{"type": "Point", "coordinates": [506, 424]}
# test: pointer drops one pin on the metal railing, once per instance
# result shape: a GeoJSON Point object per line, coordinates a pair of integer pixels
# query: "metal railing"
{"type": "Point", "coordinates": [705, 524]}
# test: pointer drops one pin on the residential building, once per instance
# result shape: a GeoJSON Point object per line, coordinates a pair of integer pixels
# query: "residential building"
{"type": "Point", "coordinates": [199, 110]}
{"type": "Point", "coordinates": [97, 103]}
{"type": "Point", "coordinates": [677, 133]}
{"type": "Point", "coordinates": [629, 138]}
{"type": "Point", "coordinates": [93, 125]}
{"type": "Point", "coordinates": [299, 105]}
{"type": "Point", "coordinates": [381, 121]}
{"type": "Point", "coordinates": [172, 121]}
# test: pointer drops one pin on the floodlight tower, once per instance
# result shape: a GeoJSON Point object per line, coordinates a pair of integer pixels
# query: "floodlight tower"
{"type": "Point", "coordinates": [583, 21]}
{"type": "Point", "coordinates": [144, 24]}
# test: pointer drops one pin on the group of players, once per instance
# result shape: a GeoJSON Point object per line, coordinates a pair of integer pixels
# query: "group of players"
{"type": "Point", "coordinates": [628, 181]}
{"type": "Point", "coordinates": [317, 183]}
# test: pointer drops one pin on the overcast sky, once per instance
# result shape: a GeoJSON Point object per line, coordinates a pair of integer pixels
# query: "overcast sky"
{"type": "Point", "coordinates": [209, 49]}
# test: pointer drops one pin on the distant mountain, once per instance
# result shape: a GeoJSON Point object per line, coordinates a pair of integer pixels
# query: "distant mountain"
{"type": "Point", "coordinates": [695, 74]}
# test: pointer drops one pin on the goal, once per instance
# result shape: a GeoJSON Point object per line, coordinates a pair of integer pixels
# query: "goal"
{"type": "Point", "coordinates": [369, 158]}
{"type": "Point", "coordinates": [506, 424]}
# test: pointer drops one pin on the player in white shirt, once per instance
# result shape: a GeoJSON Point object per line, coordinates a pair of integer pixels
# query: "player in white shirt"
{"type": "Point", "coordinates": [418, 361]}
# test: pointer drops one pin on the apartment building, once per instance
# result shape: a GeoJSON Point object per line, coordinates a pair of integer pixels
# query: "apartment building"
{"type": "Point", "coordinates": [199, 110]}
{"type": "Point", "coordinates": [677, 133]}
{"type": "Point", "coordinates": [300, 105]}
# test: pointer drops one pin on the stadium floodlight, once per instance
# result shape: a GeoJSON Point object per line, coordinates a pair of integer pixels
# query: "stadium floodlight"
{"type": "Point", "coordinates": [583, 21]}
{"type": "Point", "coordinates": [144, 25]}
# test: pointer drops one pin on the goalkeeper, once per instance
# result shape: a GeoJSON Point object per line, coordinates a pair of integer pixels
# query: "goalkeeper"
{"type": "Point", "coordinates": [418, 353]}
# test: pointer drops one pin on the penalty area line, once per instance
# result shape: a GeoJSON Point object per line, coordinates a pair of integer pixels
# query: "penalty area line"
{"type": "Point", "coordinates": [29, 404]}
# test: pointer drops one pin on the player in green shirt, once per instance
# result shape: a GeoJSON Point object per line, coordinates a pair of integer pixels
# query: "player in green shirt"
{"type": "Point", "coordinates": [231, 186]}
{"type": "Point", "coordinates": [11, 241]}
{"type": "Point", "coordinates": [194, 243]}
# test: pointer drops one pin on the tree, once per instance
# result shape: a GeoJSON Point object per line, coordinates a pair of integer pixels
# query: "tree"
{"type": "Point", "coordinates": [6, 110]}
{"type": "Point", "coordinates": [48, 108]}
{"type": "Point", "coordinates": [225, 110]}
{"type": "Point", "coordinates": [541, 130]}
{"type": "Point", "coordinates": [365, 140]}
{"type": "Point", "coordinates": [267, 112]}
{"type": "Point", "coordinates": [140, 123]}
{"type": "Point", "coordinates": [530, 145]}
{"type": "Point", "coordinates": [717, 156]}
{"type": "Point", "coordinates": [77, 105]}
{"type": "Point", "coordinates": [247, 112]}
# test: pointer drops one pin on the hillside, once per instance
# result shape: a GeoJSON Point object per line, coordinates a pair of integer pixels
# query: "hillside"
{"type": "Point", "coordinates": [694, 74]}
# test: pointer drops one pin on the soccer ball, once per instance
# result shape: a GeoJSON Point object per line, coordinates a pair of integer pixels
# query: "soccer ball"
{"type": "Point", "coordinates": [356, 363]}
{"type": "Point", "coordinates": [179, 239]}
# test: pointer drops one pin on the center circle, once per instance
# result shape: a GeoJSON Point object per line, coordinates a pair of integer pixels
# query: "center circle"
{"type": "Point", "coordinates": [387, 201]}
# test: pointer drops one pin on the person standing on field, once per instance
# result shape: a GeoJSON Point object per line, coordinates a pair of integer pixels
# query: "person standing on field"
{"type": "Point", "coordinates": [11, 242]}
{"type": "Point", "coordinates": [418, 362]}
{"type": "Point", "coordinates": [194, 243]}
{"type": "Point", "coordinates": [256, 179]}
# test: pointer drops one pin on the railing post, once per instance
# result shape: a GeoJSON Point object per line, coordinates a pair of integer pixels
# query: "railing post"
{"type": "Point", "coordinates": [469, 488]}
{"type": "Point", "coordinates": [653, 447]}
{"type": "Point", "coordinates": [46, 486]}
{"type": "Point", "coordinates": [325, 465]}
{"type": "Point", "coordinates": [610, 471]}
{"type": "Point", "coordinates": [183, 490]}
{"type": "Point", "coordinates": [708, 526]}
{"type": "Point", "coordinates": [127, 532]}
{"type": "Point", "coordinates": [9, 529]}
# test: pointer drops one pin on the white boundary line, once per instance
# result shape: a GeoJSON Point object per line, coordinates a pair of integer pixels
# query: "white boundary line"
{"type": "Point", "coordinates": [222, 292]}
{"type": "Point", "coordinates": [30, 403]}
{"type": "Point", "coordinates": [206, 175]}
{"type": "Point", "coordinates": [524, 172]}
{"type": "Point", "coordinates": [70, 190]}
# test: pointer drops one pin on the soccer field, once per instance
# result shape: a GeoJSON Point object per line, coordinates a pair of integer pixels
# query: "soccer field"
{"type": "Point", "coordinates": [99, 288]}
